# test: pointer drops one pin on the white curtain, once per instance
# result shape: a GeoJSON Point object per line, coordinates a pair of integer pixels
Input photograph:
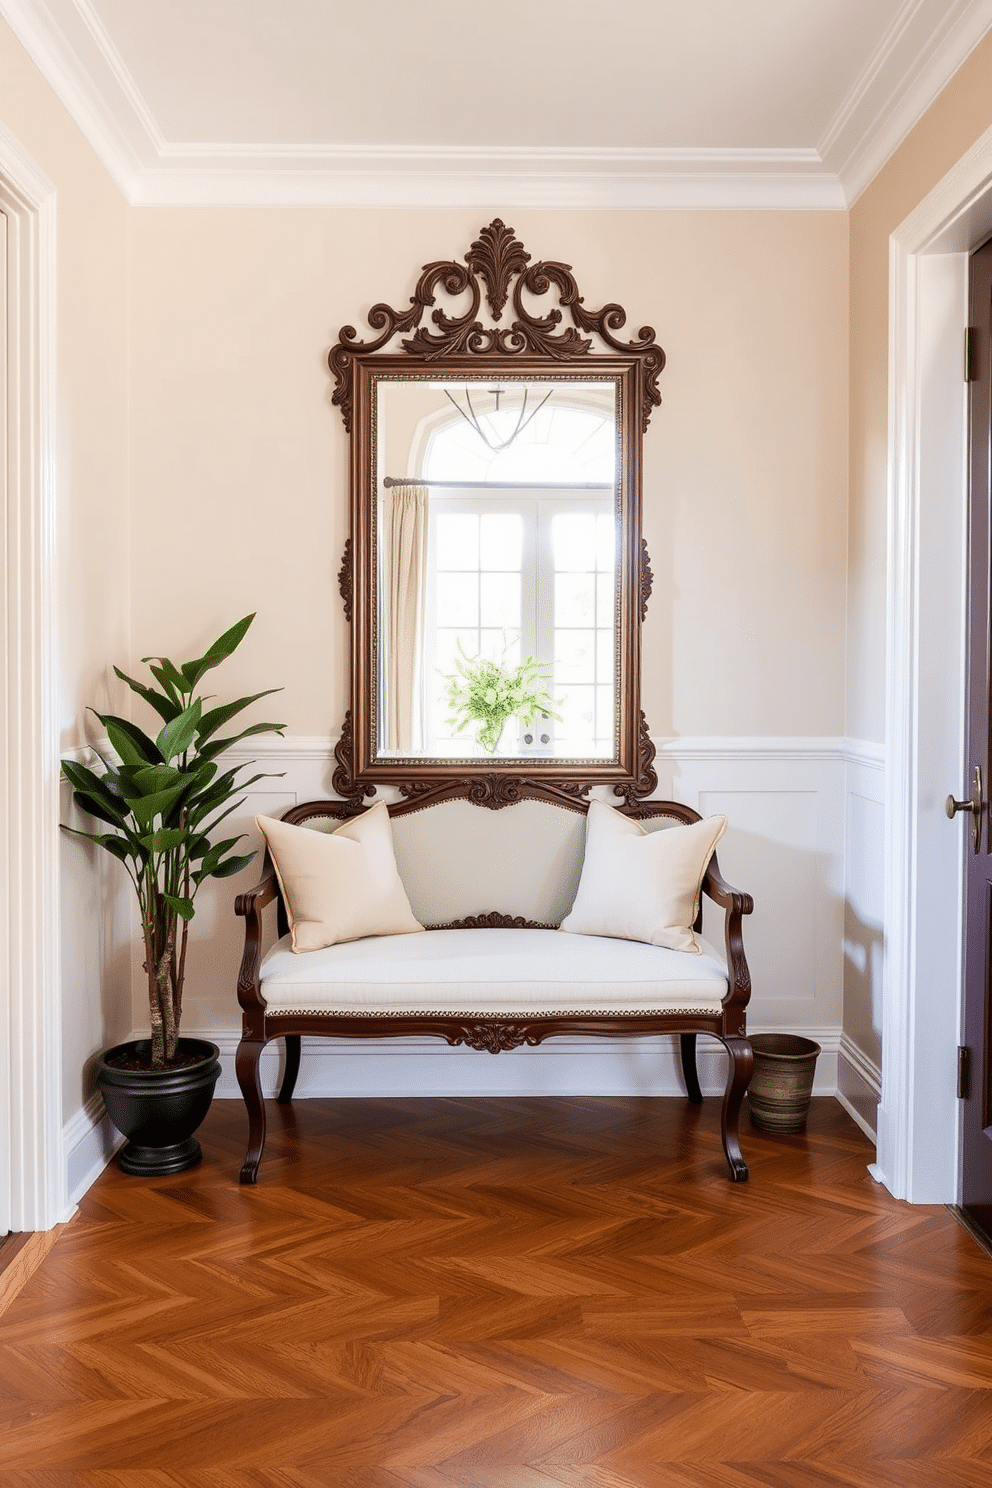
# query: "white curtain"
{"type": "Point", "coordinates": [405, 539]}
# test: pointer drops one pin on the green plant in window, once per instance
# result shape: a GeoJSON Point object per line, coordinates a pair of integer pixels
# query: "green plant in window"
{"type": "Point", "coordinates": [489, 692]}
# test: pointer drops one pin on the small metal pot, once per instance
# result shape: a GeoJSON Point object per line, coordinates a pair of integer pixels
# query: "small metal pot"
{"type": "Point", "coordinates": [782, 1084]}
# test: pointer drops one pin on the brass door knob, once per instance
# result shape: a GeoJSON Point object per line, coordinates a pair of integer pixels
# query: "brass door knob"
{"type": "Point", "coordinates": [973, 806]}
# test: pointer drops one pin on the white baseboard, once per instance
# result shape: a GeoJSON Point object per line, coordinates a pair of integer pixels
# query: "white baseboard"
{"type": "Point", "coordinates": [419, 1067]}
{"type": "Point", "coordinates": [859, 1086]}
{"type": "Point", "coordinates": [89, 1141]}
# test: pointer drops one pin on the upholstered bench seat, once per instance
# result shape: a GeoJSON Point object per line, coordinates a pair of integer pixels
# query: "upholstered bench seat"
{"type": "Point", "coordinates": [491, 973]}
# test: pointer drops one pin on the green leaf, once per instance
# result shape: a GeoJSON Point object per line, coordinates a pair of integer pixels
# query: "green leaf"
{"type": "Point", "coordinates": [196, 791]}
{"type": "Point", "coordinates": [198, 847]}
{"type": "Point", "coordinates": [149, 780]}
{"type": "Point", "coordinates": [93, 794]}
{"type": "Point", "coordinates": [232, 865]}
{"type": "Point", "coordinates": [165, 706]}
{"type": "Point", "coordinates": [201, 806]}
{"type": "Point", "coordinates": [212, 826]}
{"type": "Point", "coordinates": [214, 854]}
{"type": "Point", "coordinates": [164, 839]}
{"type": "Point", "coordinates": [167, 675]}
{"type": "Point", "coordinates": [97, 806]}
{"type": "Point", "coordinates": [81, 777]}
{"type": "Point", "coordinates": [133, 746]}
{"type": "Point", "coordinates": [196, 776]}
{"type": "Point", "coordinates": [223, 647]}
{"type": "Point", "coordinates": [184, 907]}
{"type": "Point", "coordinates": [179, 733]}
{"type": "Point", "coordinates": [159, 803]}
{"type": "Point", "coordinates": [116, 846]}
{"type": "Point", "coordinates": [217, 717]}
{"type": "Point", "coordinates": [218, 746]}
{"type": "Point", "coordinates": [212, 794]}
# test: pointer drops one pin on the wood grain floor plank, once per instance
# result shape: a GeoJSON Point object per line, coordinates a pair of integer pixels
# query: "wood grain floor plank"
{"type": "Point", "coordinates": [510, 1294]}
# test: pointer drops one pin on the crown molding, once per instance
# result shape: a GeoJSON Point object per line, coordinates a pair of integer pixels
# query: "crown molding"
{"type": "Point", "coordinates": [512, 179]}
{"type": "Point", "coordinates": [913, 63]}
{"type": "Point", "coordinates": [915, 59]}
{"type": "Point", "coordinates": [57, 38]}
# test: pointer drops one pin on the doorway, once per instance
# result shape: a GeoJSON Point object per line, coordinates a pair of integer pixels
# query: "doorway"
{"type": "Point", "coordinates": [919, 1131]}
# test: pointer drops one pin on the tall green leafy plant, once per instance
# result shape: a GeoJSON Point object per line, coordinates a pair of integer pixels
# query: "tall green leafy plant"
{"type": "Point", "coordinates": [163, 797]}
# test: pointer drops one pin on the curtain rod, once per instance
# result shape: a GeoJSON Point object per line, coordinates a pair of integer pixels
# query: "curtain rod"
{"type": "Point", "coordinates": [389, 481]}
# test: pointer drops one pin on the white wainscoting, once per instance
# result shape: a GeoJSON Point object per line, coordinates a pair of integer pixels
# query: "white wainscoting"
{"type": "Point", "coordinates": [804, 839]}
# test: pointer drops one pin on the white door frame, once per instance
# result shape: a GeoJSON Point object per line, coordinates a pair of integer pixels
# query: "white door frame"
{"type": "Point", "coordinates": [919, 1139]}
{"type": "Point", "coordinates": [32, 1176]}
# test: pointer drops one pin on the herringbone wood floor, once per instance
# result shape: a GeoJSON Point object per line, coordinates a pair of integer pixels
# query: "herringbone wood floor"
{"type": "Point", "coordinates": [503, 1294]}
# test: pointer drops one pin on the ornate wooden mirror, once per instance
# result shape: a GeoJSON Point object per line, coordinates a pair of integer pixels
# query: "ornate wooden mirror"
{"type": "Point", "coordinates": [495, 577]}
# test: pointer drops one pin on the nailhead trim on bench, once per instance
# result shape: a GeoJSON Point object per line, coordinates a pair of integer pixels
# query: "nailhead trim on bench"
{"type": "Point", "coordinates": [529, 1016]}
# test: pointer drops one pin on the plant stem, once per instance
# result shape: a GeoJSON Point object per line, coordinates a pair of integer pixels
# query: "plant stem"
{"type": "Point", "coordinates": [179, 979]}
{"type": "Point", "coordinates": [154, 1001]}
{"type": "Point", "coordinates": [163, 978]}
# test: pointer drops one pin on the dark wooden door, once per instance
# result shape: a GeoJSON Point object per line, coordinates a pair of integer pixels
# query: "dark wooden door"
{"type": "Point", "coordinates": [977, 1086]}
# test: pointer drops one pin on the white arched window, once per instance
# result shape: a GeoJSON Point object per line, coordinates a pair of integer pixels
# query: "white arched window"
{"type": "Point", "coordinates": [558, 444]}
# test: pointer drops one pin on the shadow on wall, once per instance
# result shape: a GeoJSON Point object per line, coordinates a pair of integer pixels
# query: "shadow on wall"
{"type": "Point", "coordinates": [793, 937]}
{"type": "Point", "coordinates": [864, 952]}
{"type": "Point", "coordinates": [98, 929]}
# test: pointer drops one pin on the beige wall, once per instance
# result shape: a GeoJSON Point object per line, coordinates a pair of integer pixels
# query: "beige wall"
{"type": "Point", "coordinates": [203, 471]}
{"type": "Point", "coordinates": [239, 463]}
{"type": "Point", "coordinates": [958, 117]}
{"type": "Point", "coordinates": [93, 579]}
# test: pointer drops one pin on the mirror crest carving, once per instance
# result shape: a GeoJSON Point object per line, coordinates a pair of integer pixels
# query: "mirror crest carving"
{"type": "Point", "coordinates": [495, 318]}
{"type": "Point", "coordinates": [496, 257]}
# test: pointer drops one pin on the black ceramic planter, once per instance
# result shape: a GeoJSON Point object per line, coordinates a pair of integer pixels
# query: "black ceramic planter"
{"type": "Point", "coordinates": [159, 1110]}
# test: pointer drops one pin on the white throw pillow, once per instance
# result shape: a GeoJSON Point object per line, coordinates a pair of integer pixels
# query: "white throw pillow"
{"type": "Point", "coordinates": [341, 885]}
{"type": "Point", "coordinates": [639, 885]}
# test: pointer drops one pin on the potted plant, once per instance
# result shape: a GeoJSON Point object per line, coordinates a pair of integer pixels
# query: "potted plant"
{"type": "Point", "coordinates": [162, 798]}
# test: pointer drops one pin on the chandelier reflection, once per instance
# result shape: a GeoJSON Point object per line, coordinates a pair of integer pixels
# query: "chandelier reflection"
{"type": "Point", "coordinates": [492, 427]}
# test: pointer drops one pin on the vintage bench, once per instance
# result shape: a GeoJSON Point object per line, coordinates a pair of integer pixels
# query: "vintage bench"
{"type": "Point", "coordinates": [493, 972]}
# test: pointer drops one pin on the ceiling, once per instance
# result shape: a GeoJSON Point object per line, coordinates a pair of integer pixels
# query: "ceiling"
{"type": "Point", "coordinates": [639, 103]}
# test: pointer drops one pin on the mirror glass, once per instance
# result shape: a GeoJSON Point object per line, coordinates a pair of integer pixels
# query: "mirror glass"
{"type": "Point", "coordinates": [497, 574]}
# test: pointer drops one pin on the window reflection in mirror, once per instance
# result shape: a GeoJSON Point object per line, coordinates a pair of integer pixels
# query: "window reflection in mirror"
{"type": "Point", "coordinates": [496, 540]}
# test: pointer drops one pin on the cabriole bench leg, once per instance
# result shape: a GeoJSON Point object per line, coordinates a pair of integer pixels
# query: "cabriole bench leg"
{"type": "Point", "coordinates": [738, 1079]}
{"type": "Point", "coordinates": [687, 1050]}
{"type": "Point", "coordinates": [293, 1043]}
{"type": "Point", "coordinates": [247, 1066]}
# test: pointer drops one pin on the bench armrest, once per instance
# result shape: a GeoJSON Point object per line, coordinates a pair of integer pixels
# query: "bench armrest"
{"type": "Point", "coordinates": [250, 905]}
{"type": "Point", "coordinates": [736, 905]}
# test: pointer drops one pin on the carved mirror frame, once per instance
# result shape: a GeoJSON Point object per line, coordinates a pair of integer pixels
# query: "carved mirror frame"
{"type": "Point", "coordinates": [515, 339]}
